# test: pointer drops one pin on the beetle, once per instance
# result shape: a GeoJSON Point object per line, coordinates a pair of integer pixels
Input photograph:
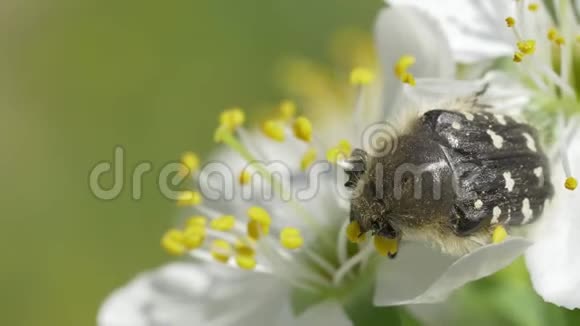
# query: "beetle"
{"type": "Point", "coordinates": [456, 174]}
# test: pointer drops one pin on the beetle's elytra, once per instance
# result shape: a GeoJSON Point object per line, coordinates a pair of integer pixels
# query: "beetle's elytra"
{"type": "Point", "coordinates": [454, 176]}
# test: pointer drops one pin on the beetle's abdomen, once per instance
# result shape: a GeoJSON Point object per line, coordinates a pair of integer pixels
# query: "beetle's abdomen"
{"type": "Point", "coordinates": [501, 174]}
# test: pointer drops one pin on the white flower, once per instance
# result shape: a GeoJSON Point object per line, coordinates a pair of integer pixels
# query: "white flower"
{"type": "Point", "coordinates": [269, 250]}
{"type": "Point", "coordinates": [540, 37]}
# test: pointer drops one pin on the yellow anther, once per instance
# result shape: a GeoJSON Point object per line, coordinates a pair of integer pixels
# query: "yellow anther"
{"type": "Point", "coordinates": [173, 241]}
{"type": "Point", "coordinates": [302, 129]}
{"type": "Point", "coordinates": [259, 224]}
{"type": "Point", "coordinates": [290, 238]}
{"type": "Point", "coordinates": [518, 57]}
{"type": "Point", "coordinates": [274, 130]}
{"type": "Point", "coordinates": [403, 64]}
{"type": "Point", "coordinates": [190, 161]}
{"type": "Point", "coordinates": [189, 198]}
{"type": "Point", "coordinates": [256, 230]}
{"type": "Point", "coordinates": [232, 118]}
{"type": "Point", "coordinates": [259, 214]}
{"type": "Point", "coordinates": [307, 159]}
{"type": "Point", "coordinates": [499, 234]}
{"type": "Point", "coordinates": [223, 223]}
{"type": "Point", "coordinates": [527, 47]}
{"type": "Point", "coordinates": [197, 220]}
{"type": "Point", "coordinates": [571, 183]}
{"type": "Point", "coordinates": [287, 110]}
{"type": "Point", "coordinates": [408, 78]}
{"type": "Point", "coordinates": [401, 68]}
{"type": "Point", "coordinates": [246, 262]}
{"type": "Point", "coordinates": [554, 36]}
{"type": "Point", "coordinates": [510, 21]}
{"type": "Point", "coordinates": [194, 236]}
{"type": "Point", "coordinates": [245, 177]}
{"type": "Point", "coordinates": [386, 246]}
{"type": "Point", "coordinates": [353, 232]}
{"type": "Point", "coordinates": [577, 38]}
{"type": "Point", "coordinates": [244, 248]}
{"type": "Point", "coordinates": [361, 76]}
{"type": "Point", "coordinates": [534, 6]}
{"type": "Point", "coordinates": [221, 250]}
{"type": "Point", "coordinates": [342, 150]}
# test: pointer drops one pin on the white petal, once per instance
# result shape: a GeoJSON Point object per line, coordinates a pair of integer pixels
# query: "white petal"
{"type": "Point", "coordinates": [554, 259]}
{"type": "Point", "coordinates": [406, 31]}
{"type": "Point", "coordinates": [196, 294]}
{"type": "Point", "coordinates": [325, 313]}
{"type": "Point", "coordinates": [476, 29]}
{"type": "Point", "coordinates": [423, 275]}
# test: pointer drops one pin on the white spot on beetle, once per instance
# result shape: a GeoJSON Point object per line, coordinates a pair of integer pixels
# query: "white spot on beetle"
{"type": "Point", "coordinates": [530, 142]}
{"type": "Point", "coordinates": [456, 125]}
{"type": "Point", "coordinates": [497, 139]}
{"type": "Point", "coordinates": [496, 214]}
{"type": "Point", "coordinates": [509, 182]}
{"type": "Point", "coordinates": [500, 118]}
{"type": "Point", "coordinates": [478, 204]}
{"type": "Point", "coordinates": [539, 171]}
{"type": "Point", "coordinates": [527, 211]}
{"type": "Point", "coordinates": [468, 116]}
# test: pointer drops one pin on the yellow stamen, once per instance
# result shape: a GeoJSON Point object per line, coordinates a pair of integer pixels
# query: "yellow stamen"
{"type": "Point", "coordinates": [403, 64]}
{"type": "Point", "coordinates": [290, 238]}
{"type": "Point", "coordinates": [499, 234]}
{"type": "Point", "coordinates": [554, 36]}
{"type": "Point", "coordinates": [232, 118]}
{"type": "Point", "coordinates": [244, 248]}
{"type": "Point", "coordinates": [197, 220]}
{"type": "Point", "coordinates": [194, 236]}
{"type": "Point", "coordinates": [221, 250]}
{"type": "Point", "coordinates": [302, 129]}
{"type": "Point", "coordinates": [353, 233]}
{"type": "Point", "coordinates": [533, 6]}
{"type": "Point", "coordinates": [308, 158]}
{"type": "Point", "coordinates": [190, 161]}
{"type": "Point", "coordinates": [518, 57]}
{"type": "Point", "coordinates": [259, 224]}
{"type": "Point", "coordinates": [510, 21]}
{"type": "Point", "coordinates": [245, 177]}
{"type": "Point", "coordinates": [577, 38]}
{"type": "Point", "coordinates": [408, 78]}
{"type": "Point", "coordinates": [173, 242]}
{"type": "Point", "coordinates": [259, 214]}
{"type": "Point", "coordinates": [246, 262]}
{"type": "Point", "coordinates": [287, 110]}
{"type": "Point", "coordinates": [256, 230]}
{"type": "Point", "coordinates": [361, 76]}
{"type": "Point", "coordinates": [274, 130]}
{"type": "Point", "coordinates": [401, 68]}
{"type": "Point", "coordinates": [571, 183]}
{"type": "Point", "coordinates": [386, 246]}
{"type": "Point", "coordinates": [342, 150]}
{"type": "Point", "coordinates": [189, 198]}
{"type": "Point", "coordinates": [223, 223]}
{"type": "Point", "coordinates": [527, 47]}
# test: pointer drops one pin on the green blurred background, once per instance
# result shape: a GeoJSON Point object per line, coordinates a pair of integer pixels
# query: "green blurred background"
{"type": "Point", "coordinates": [80, 77]}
